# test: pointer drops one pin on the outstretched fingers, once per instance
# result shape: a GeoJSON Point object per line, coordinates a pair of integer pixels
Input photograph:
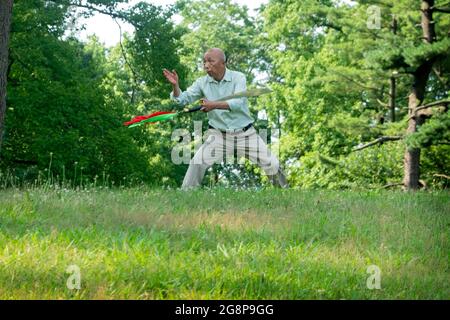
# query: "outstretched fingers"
{"type": "Point", "coordinates": [172, 77]}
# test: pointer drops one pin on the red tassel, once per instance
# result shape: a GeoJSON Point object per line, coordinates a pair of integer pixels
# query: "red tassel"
{"type": "Point", "coordinates": [140, 118]}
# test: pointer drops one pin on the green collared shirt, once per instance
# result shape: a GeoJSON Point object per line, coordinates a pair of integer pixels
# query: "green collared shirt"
{"type": "Point", "coordinates": [207, 87]}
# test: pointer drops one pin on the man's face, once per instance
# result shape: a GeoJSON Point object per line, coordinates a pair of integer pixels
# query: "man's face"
{"type": "Point", "coordinates": [213, 64]}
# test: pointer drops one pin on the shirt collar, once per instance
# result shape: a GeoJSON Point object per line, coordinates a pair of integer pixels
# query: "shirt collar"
{"type": "Point", "coordinates": [226, 76]}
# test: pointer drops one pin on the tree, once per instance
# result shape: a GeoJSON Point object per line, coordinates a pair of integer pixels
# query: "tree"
{"type": "Point", "coordinates": [334, 68]}
{"type": "Point", "coordinates": [419, 86]}
{"type": "Point", "coordinates": [5, 23]}
{"type": "Point", "coordinates": [66, 108]}
{"type": "Point", "coordinates": [416, 54]}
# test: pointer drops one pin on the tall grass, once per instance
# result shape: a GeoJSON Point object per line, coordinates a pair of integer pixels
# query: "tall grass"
{"type": "Point", "coordinates": [32, 178]}
{"type": "Point", "coordinates": [141, 243]}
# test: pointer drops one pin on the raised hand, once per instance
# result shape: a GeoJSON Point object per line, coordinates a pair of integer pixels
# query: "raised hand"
{"type": "Point", "coordinates": [172, 77]}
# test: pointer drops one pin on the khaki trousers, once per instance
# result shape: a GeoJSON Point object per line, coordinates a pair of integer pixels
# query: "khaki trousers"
{"type": "Point", "coordinates": [220, 147]}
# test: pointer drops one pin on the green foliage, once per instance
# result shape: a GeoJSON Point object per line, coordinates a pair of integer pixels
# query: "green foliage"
{"type": "Point", "coordinates": [67, 100]}
{"type": "Point", "coordinates": [153, 47]}
{"type": "Point", "coordinates": [433, 132]}
{"type": "Point", "coordinates": [332, 86]}
{"type": "Point", "coordinates": [435, 163]}
{"type": "Point", "coordinates": [369, 168]}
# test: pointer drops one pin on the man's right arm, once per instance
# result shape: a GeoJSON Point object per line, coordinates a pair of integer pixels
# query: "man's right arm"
{"type": "Point", "coordinates": [192, 94]}
{"type": "Point", "coordinates": [176, 90]}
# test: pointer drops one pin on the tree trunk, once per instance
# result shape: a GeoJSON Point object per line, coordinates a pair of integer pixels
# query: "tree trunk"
{"type": "Point", "coordinates": [392, 87]}
{"type": "Point", "coordinates": [5, 24]}
{"type": "Point", "coordinates": [416, 97]}
{"type": "Point", "coordinates": [392, 94]}
{"type": "Point", "coordinates": [412, 155]}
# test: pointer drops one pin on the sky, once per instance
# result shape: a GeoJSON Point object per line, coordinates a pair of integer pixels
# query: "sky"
{"type": "Point", "coordinates": [108, 32]}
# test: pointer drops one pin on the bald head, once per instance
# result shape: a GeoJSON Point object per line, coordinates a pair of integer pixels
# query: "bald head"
{"type": "Point", "coordinates": [214, 63]}
{"type": "Point", "coordinates": [217, 53]}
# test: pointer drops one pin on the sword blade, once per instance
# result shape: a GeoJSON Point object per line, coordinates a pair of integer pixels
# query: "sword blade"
{"type": "Point", "coordinates": [248, 93]}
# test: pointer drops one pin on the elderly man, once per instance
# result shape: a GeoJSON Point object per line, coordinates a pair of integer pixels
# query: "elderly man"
{"type": "Point", "coordinates": [229, 121]}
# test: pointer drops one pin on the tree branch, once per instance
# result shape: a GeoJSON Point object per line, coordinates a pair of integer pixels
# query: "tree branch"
{"type": "Point", "coordinates": [436, 72]}
{"type": "Point", "coordinates": [395, 184]}
{"type": "Point", "coordinates": [433, 104]}
{"type": "Point", "coordinates": [380, 140]}
{"type": "Point", "coordinates": [355, 82]}
{"type": "Point", "coordinates": [439, 103]}
{"type": "Point", "coordinates": [441, 176]}
{"type": "Point", "coordinates": [108, 13]}
{"type": "Point", "coordinates": [135, 77]}
{"type": "Point", "coordinates": [442, 4]}
{"type": "Point", "coordinates": [382, 103]}
{"type": "Point", "coordinates": [443, 10]}
{"type": "Point", "coordinates": [332, 26]}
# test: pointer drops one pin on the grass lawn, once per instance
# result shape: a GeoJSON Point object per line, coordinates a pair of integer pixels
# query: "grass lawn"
{"type": "Point", "coordinates": [223, 244]}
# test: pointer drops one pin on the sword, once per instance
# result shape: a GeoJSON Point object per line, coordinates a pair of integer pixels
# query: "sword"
{"type": "Point", "coordinates": [163, 116]}
{"type": "Point", "coordinates": [248, 93]}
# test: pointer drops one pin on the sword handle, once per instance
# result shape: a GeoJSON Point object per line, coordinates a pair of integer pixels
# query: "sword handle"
{"type": "Point", "coordinates": [194, 109]}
